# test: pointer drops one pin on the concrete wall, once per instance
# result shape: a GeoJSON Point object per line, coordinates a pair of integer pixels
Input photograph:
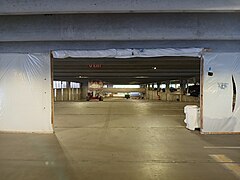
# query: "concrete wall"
{"type": "Point", "coordinates": [40, 33]}
{"type": "Point", "coordinates": [93, 6]}
{"type": "Point", "coordinates": [115, 27]}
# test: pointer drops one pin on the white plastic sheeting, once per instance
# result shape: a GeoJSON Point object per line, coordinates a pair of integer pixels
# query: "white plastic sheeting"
{"type": "Point", "coordinates": [25, 93]}
{"type": "Point", "coordinates": [25, 87]}
{"type": "Point", "coordinates": [127, 53]}
{"type": "Point", "coordinates": [219, 112]}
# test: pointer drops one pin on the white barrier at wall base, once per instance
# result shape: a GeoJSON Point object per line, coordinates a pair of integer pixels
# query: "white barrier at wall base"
{"type": "Point", "coordinates": [192, 117]}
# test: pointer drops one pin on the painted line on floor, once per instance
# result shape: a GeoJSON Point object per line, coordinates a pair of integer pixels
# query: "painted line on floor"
{"type": "Point", "coordinates": [227, 163]}
{"type": "Point", "coordinates": [221, 147]}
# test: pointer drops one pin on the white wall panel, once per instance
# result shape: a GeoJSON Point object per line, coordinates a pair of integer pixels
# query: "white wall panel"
{"type": "Point", "coordinates": [25, 93]}
{"type": "Point", "coordinates": [218, 112]}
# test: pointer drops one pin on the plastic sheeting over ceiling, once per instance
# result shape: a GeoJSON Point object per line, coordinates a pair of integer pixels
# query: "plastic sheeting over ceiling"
{"type": "Point", "coordinates": [221, 92]}
{"type": "Point", "coordinates": [25, 93]}
{"type": "Point", "coordinates": [127, 53]}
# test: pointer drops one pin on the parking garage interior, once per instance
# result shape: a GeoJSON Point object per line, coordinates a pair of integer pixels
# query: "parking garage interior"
{"type": "Point", "coordinates": [160, 74]}
{"type": "Point", "coordinates": [109, 117]}
{"type": "Point", "coordinates": [117, 137]}
{"type": "Point", "coordinates": [140, 137]}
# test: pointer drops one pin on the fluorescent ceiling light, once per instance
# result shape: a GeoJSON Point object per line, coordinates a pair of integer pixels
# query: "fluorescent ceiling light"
{"type": "Point", "coordinates": [82, 77]}
{"type": "Point", "coordinates": [142, 77]}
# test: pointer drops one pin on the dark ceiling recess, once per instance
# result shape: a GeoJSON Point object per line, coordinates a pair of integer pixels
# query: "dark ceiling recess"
{"type": "Point", "coordinates": [127, 71]}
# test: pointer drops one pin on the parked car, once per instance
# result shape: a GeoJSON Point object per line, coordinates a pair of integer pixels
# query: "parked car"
{"type": "Point", "coordinates": [194, 90]}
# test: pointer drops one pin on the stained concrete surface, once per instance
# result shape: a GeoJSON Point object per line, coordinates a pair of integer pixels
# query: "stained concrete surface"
{"type": "Point", "coordinates": [117, 139]}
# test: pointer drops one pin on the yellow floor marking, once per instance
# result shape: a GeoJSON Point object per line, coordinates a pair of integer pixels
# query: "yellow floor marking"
{"type": "Point", "coordinates": [227, 163]}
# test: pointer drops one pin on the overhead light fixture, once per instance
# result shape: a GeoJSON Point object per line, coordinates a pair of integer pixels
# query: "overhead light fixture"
{"type": "Point", "coordinates": [82, 77]}
{"type": "Point", "coordinates": [154, 67]}
{"type": "Point", "coordinates": [142, 77]}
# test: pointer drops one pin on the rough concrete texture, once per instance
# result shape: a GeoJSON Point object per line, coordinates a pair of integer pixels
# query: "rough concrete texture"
{"type": "Point", "coordinates": [117, 139]}
{"type": "Point", "coordinates": [121, 27]}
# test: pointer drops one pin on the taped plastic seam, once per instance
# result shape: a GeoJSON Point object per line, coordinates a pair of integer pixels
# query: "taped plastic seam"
{"type": "Point", "coordinates": [221, 93]}
{"type": "Point", "coordinates": [25, 93]}
{"type": "Point", "coordinates": [127, 53]}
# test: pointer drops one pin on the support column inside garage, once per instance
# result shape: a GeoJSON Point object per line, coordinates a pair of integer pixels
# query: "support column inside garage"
{"type": "Point", "coordinates": [84, 90]}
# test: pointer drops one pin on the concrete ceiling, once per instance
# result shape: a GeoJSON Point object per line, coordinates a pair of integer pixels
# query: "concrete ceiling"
{"type": "Point", "coordinates": [14, 7]}
{"type": "Point", "coordinates": [127, 71]}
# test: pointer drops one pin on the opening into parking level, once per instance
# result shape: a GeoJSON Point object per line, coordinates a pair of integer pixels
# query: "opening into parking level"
{"type": "Point", "coordinates": [124, 92]}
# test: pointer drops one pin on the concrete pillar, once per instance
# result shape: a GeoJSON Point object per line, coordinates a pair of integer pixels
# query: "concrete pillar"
{"type": "Point", "coordinates": [110, 85]}
{"type": "Point", "coordinates": [148, 86]}
{"type": "Point", "coordinates": [74, 94]}
{"type": "Point", "coordinates": [158, 91]}
{"type": "Point", "coordinates": [167, 90]}
{"type": "Point", "coordinates": [65, 92]}
{"type": "Point", "coordinates": [187, 86]}
{"type": "Point", "coordinates": [153, 86]}
{"type": "Point", "coordinates": [194, 80]}
{"type": "Point", "coordinates": [79, 94]}
{"type": "Point", "coordinates": [55, 94]}
{"type": "Point", "coordinates": [58, 94]}
{"type": "Point", "coordinates": [144, 96]}
{"type": "Point", "coordinates": [182, 89]}
{"type": "Point", "coordinates": [84, 89]}
{"type": "Point", "coordinates": [62, 99]}
{"type": "Point", "coordinates": [158, 86]}
{"type": "Point", "coordinates": [69, 91]}
{"type": "Point", "coordinates": [149, 91]}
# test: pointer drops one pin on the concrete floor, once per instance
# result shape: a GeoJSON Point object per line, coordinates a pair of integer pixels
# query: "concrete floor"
{"type": "Point", "coordinates": [119, 139]}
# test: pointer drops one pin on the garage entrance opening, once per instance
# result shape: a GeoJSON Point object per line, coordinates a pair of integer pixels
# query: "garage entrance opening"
{"type": "Point", "coordinates": [124, 92]}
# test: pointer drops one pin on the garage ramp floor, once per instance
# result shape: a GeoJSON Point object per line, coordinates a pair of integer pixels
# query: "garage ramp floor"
{"type": "Point", "coordinates": [119, 140]}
